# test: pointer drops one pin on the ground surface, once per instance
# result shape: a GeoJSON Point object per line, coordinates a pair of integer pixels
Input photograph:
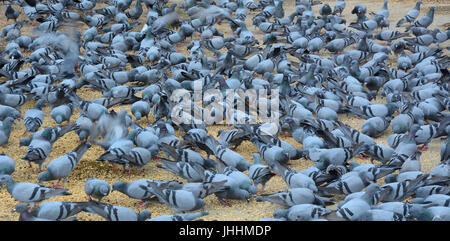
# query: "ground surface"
{"type": "Point", "coordinates": [240, 210]}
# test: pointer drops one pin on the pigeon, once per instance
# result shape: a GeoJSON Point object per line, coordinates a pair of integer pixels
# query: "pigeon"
{"type": "Point", "coordinates": [62, 113]}
{"type": "Point", "coordinates": [434, 199]}
{"type": "Point", "coordinates": [375, 126]}
{"type": "Point", "coordinates": [61, 167]}
{"type": "Point", "coordinates": [421, 213]}
{"type": "Point", "coordinates": [301, 212]}
{"type": "Point", "coordinates": [380, 215]}
{"type": "Point", "coordinates": [26, 215]}
{"type": "Point", "coordinates": [34, 118]}
{"type": "Point", "coordinates": [30, 193]}
{"type": "Point", "coordinates": [11, 13]}
{"type": "Point", "coordinates": [96, 188]}
{"type": "Point", "coordinates": [134, 189]}
{"type": "Point", "coordinates": [180, 217]}
{"type": "Point", "coordinates": [37, 151]}
{"type": "Point", "coordinates": [241, 179]}
{"type": "Point", "coordinates": [230, 190]}
{"type": "Point", "coordinates": [349, 182]}
{"type": "Point", "coordinates": [7, 164]}
{"type": "Point", "coordinates": [140, 108]}
{"type": "Point", "coordinates": [191, 171]}
{"type": "Point", "coordinates": [138, 156]}
{"type": "Point", "coordinates": [116, 213]}
{"type": "Point", "coordinates": [400, 190]}
{"type": "Point", "coordinates": [295, 196]}
{"type": "Point", "coordinates": [259, 173]}
{"type": "Point", "coordinates": [204, 189]}
{"type": "Point", "coordinates": [425, 21]}
{"type": "Point", "coordinates": [339, 7]}
{"type": "Point", "coordinates": [295, 179]}
{"type": "Point", "coordinates": [178, 200]}
{"type": "Point", "coordinates": [354, 208]}
{"type": "Point", "coordinates": [411, 16]}
{"type": "Point", "coordinates": [5, 130]}
{"type": "Point", "coordinates": [58, 210]}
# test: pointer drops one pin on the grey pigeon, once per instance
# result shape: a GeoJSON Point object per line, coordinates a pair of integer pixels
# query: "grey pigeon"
{"type": "Point", "coordinates": [5, 130]}
{"type": "Point", "coordinates": [11, 13]}
{"type": "Point", "coordinates": [295, 179]}
{"type": "Point", "coordinates": [62, 113]}
{"type": "Point", "coordinates": [140, 109]}
{"type": "Point", "coordinates": [116, 213]}
{"type": "Point", "coordinates": [339, 7]}
{"type": "Point", "coordinates": [259, 173]}
{"type": "Point", "coordinates": [301, 212]}
{"type": "Point", "coordinates": [425, 21]}
{"type": "Point", "coordinates": [7, 164]}
{"type": "Point", "coordinates": [96, 188]}
{"type": "Point", "coordinates": [37, 151]}
{"type": "Point", "coordinates": [178, 200]}
{"type": "Point", "coordinates": [30, 193]}
{"type": "Point", "coordinates": [375, 126]}
{"type": "Point", "coordinates": [84, 126]}
{"type": "Point", "coordinates": [58, 210]}
{"type": "Point", "coordinates": [357, 206]}
{"type": "Point", "coordinates": [434, 199]}
{"type": "Point", "coordinates": [380, 215]}
{"type": "Point", "coordinates": [401, 208]}
{"type": "Point", "coordinates": [138, 156]}
{"type": "Point", "coordinates": [420, 213]}
{"type": "Point", "coordinates": [180, 217]}
{"type": "Point", "coordinates": [295, 196]}
{"type": "Point", "coordinates": [26, 215]}
{"type": "Point", "coordinates": [230, 190]}
{"type": "Point", "coordinates": [191, 171]}
{"type": "Point", "coordinates": [62, 167]}
{"type": "Point", "coordinates": [411, 16]}
{"type": "Point", "coordinates": [204, 189]}
{"type": "Point", "coordinates": [34, 118]}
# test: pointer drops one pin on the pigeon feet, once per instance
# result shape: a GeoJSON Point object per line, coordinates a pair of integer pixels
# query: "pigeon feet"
{"type": "Point", "coordinates": [58, 185]}
{"type": "Point", "coordinates": [225, 203]}
{"type": "Point", "coordinates": [142, 204]}
{"type": "Point", "coordinates": [422, 148]}
{"type": "Point", "coordinates": [364, 156]}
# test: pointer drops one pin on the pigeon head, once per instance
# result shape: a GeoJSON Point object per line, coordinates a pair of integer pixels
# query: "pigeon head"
{"type": "Point", "coordinates": [199, 203]}
{"type": "Point", "coordinates": [144, 215]}
{"type": "Point", "coordinates": [281, 213]}
{"type": "Point", "coordinates": [419, 212]}
{"type": "Point", "coordinates": [174, 185]}
{"type": "Point", "coordinates": [6, 179]}
{"type": "Point", "coordinates": [20, 208]}
{"type": "Point", "coordinates": [25, 141]}
{"type": "Point", "coordinates": [44, 176]}
{"type": "Point", "coordinates": [392, 108]}
{"type": "Point", "coordinates": [8, 121]}
{"type": "Point", "coordinates": [390, 178]}
{"type": "Point", "coordinates": [370, 192]}
{"type": "Point", "coordinates": [119, 186]}
{"type": "Point", "coordinates": [243, 166]}
{"type": "Point", "coordinates": [353, 164]}
{"type": "Point", "coordinates": [209, 163]}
